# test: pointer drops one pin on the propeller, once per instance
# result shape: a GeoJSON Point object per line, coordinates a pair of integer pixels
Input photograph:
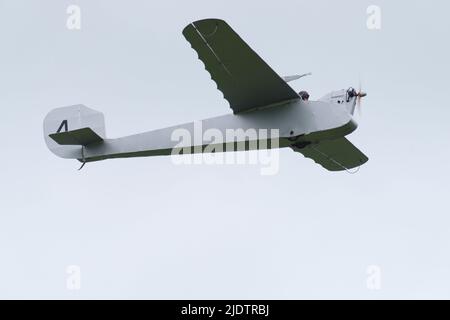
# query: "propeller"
{"type": "Point", "coordinates": [359, 95]}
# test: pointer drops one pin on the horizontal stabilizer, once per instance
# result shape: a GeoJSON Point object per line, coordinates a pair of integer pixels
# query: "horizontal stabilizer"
{"type": "Point", "coordinates": [79, 137]}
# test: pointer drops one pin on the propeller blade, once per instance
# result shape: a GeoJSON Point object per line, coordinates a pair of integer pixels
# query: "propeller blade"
{"type": "Point", "coordinates": [358, 105]}
{"type": "Point", "coordinates": [360, 95]}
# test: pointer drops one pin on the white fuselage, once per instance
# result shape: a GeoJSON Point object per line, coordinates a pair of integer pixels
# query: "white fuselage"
{"type": "Point", "coordinates": [295, 120]}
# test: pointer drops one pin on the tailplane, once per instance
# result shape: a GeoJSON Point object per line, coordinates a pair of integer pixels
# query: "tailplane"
{"type": "Point", "coordinates": [68, 129]}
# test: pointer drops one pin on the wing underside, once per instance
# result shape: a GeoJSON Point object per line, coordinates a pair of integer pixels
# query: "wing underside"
{"type": "Point", "coordinates": [333, 155]}
{"type": "Point", "coordinates": [245, 80]}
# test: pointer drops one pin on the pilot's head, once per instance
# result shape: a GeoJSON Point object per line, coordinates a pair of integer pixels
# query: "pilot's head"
{"type": "Point", "coordinates": [304, 95]}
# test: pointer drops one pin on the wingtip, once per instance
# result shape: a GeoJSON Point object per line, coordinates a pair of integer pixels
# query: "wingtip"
{"type": "Point", "coordinates": [203, 21]}
{"type": "Point", "coordinates": [207, 20]}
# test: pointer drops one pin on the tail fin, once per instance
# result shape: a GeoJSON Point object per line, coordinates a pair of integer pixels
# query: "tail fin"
{"type": "Point", "coordinates": [68, 129]}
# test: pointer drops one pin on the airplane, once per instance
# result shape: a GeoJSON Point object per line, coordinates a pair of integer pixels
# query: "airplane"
{"type": "Point", "coordinates": [259, 99]}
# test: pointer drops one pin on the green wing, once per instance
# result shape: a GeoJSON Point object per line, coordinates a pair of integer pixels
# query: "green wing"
{"type": "Point", "coordinates": [334, 155]}
{"type": "Point", "coordinates": [246, 81]}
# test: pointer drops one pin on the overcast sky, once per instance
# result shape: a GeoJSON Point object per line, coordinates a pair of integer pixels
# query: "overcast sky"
{"type": "Point", "coordinates": [146, 228]}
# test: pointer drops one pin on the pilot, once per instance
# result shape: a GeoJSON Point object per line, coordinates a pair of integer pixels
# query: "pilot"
{"type": "Point", "coordinates": [304, 95]}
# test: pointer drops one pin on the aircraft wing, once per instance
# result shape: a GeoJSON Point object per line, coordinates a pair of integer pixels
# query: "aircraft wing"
{"type": "Point", "coordinates": [334, 155]}
{"type": "Point", "coordinates": [246, 81]}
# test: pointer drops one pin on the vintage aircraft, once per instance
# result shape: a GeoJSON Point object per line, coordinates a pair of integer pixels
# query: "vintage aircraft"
{"type": "Point", "coordinates": [259, 98]}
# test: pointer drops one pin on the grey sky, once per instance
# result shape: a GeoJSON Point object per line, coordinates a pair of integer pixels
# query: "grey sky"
{"type": "Point", "coordinates": [145, 228]}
